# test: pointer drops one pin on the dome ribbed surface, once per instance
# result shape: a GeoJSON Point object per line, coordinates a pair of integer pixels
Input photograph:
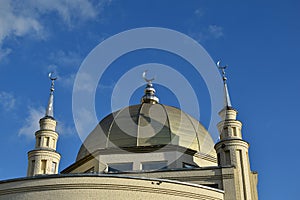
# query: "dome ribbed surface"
{"type": "Point", "coordinates": [147, 125]}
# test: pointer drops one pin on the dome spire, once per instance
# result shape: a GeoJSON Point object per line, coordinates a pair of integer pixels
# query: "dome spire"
{"type": "Point", "coordinates": [49, 109]}
{"type": "Point", "coordinates": [227, 102]}
{"type": "Point", "coordinates": [149, 91]}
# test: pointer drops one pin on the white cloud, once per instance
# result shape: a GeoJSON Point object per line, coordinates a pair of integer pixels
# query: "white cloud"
{"type": "Point", "coordinates": [69, 11]}
{"type": "Point", "coordinates": [7, 101]}
{"type": "Point", "coordinates": [22, 18]}
{"type": "Point", "coordinates": [215, 31]}
{"type": "Point", "coordinates": [31, 124]}
{"type": "Point", "coordinates": [15, 24]}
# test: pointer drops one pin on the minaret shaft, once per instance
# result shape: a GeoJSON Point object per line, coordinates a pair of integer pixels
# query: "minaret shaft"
{"type": "Point", "coordinates": [232, 150]}
{"type": "Point", "coordinates": [44, 159]}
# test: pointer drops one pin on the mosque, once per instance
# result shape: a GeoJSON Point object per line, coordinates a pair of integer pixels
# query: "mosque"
{"type": "Point", "coordinates": [144, 151]}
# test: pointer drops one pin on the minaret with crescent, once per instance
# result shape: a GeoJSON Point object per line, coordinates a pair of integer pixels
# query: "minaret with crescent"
{"type": "Point", "coordinates": [232, 150]}
{"type": "Point", "coordinates": [44, 159]}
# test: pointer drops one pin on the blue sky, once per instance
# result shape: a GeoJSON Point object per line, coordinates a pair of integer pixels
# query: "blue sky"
{"type": "Point", "coordinates": [259, 40]}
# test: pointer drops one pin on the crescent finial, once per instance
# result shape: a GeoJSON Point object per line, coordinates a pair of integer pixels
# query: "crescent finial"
{"type": "Point", "coordinates": [52, 78]}
{"type": "Point", "coordinates": [219, 65]}
{"type": "Point", "coordinates": [144, 77]}
{"type": "Point", "coordinates": [222, 69]}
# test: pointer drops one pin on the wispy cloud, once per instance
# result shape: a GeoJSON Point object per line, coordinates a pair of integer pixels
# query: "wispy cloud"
{"type": "Point", "coordinates": [199, 12]}
{"type": "Point", "coordinates": [84, 122]}
{"type": "Point", "coordinates": [66, 59]}
{"type": "Point", "coordinates": [52, 68]}
{"type": "Point", "coordinates": [64, 129]}
{"type": "Point", "coordinates": [7, 101]}
{"type": "Point", "coordinates": [69, 11]}
{"type": "Point", "coordinates": [215, 31]}
{"type": "Point", "coordinates": [67, 81]}
{"type": "Point", "coordinates": [4, 52]}
{"type": "Point", "coordinates": [85, 82]}
{"type": "Point", "coordinates": [103, 87]}
{"type": "Point", "coordinates": [208, 33]}
{"type": "Point", "coordinates": [31, 124]}
{"type": "Point", "coordinates": [23, 18]}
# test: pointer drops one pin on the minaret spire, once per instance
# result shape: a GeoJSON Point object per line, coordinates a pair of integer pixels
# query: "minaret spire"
{"type": "Point", "coordinates": [49, 109]}
{"type": "Point", "coordinates": [149, 96]}
{"type": "Point", "coordinates": [227, 102]}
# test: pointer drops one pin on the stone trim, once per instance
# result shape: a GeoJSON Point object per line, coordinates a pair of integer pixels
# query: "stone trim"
{"type": "Point", "coordinates": [85, 184]}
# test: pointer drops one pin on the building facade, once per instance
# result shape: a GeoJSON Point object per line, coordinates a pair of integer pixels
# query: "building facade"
{"type": "Point", "coordinates": [143, 151]}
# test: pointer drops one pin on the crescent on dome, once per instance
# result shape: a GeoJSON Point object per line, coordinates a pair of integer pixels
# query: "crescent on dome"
{"type": "Point", "coordinates": [145, 78]}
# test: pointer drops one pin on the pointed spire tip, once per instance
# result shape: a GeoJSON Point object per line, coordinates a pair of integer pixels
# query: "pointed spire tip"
{"type": "Point", "coordinates": [227, 102]}
{"type": "Point", "coordinates": [49, 109]}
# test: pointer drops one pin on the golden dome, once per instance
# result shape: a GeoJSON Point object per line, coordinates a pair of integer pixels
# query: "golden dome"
{"type": "Point", "coordinates": [148, 125]}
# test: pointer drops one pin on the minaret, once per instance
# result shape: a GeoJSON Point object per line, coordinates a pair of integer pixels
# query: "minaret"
{"type": "Point", "coordinates": [232, 150]}
{"type": "Point", "coordinates": [149, 96]}
{"type": "Point", "coordinates": [44, 159]}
